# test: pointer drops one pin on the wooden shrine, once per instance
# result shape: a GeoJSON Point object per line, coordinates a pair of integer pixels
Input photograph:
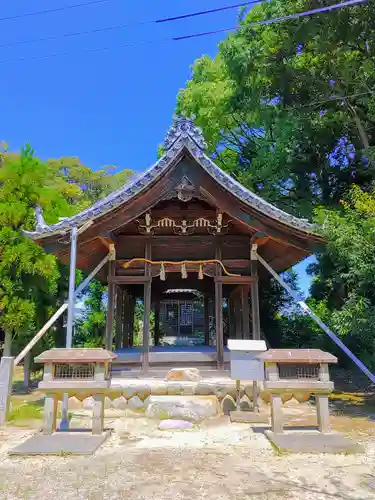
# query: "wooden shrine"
{"type": "Point", "coordinates": [183, 224]}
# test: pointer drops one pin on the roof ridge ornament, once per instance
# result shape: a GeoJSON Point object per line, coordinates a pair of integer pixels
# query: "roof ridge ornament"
{"type": "Point", "coordinates": [184, 127]}
{"type": "Point", "coordinates": [41, 224]}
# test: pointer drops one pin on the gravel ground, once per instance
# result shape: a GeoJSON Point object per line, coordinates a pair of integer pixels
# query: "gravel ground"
{"type": "Point", "coordinates": [217, 461]}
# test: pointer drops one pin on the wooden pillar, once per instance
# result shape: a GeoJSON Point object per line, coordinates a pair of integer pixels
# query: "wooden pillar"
{"type": "Point", "coordinates": [219, 312]}
{"type": "Point", "coordinates": [255, 294]}
{"type": "Point", "coordinates": [50, 413]}
{"type": "Point", "coordinates": [98, 414]}
{"type": "Point", "coordinates": [147, 312]}
{"type": "Point", "coordinates": [245, 311]}
{"type": "Point", "coordinates": [206, 320]}
{"type": "Point", "coordinates": [237, 314]}
{"type": "Point", "coordinates": [119, 317]}
{"type": "Point", "coordinates": [131, 321]}
{"type": "Point", "coordinates": [111, 298]}
{"type": "Point", "coordinates": [125, 319]}
{"type": "Point", "coordinates": [322, 410]}
{"type": "Point", "coordinates": [157, 322]}
{"type": "Point", "coordinates": [277, 417]}
{"type": "Point", "coordinates": [231, 319]}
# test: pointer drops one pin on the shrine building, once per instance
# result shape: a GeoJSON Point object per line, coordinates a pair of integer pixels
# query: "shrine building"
{"type": "Point", "coordinates": [182, 239]}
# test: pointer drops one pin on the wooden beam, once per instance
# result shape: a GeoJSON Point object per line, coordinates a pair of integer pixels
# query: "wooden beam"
{"type": "Point", "coordinates": [235, 280]}
{"type": "Point", "coordinates": [219, 310]}
{"type": "Point", "coordinates": [146, 312]}
{"type": "Point", "coordinates": [119, 317]}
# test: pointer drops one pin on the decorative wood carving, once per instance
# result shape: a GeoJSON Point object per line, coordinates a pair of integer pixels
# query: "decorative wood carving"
{"type": "Point", "coordinates": [184, 227]}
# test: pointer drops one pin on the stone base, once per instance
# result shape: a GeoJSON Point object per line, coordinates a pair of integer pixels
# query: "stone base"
{"type": "Point", "coordinates": [313, 442]}
{"type": "Point", "coordinates": [61, 443]}
{"type": "Point", "coordinates": [250, 417]}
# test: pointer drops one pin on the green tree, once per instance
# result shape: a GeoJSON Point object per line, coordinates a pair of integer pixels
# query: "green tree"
{"type": "Point", "coordinates": [28, 276]}
{"type": "Point", "coordinates": [273, 108]}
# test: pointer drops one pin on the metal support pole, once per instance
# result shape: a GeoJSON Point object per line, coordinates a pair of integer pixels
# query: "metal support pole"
{"type": "Point", "coordinates": [317, 320]}
{"type": "Point", "coordinates": [64, 425]}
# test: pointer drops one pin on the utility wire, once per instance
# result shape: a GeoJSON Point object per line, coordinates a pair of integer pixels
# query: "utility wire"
{"type": "Point", "coordinates": [57, 9]}
{"type": "Point", "coordinates": [278, 19]}
{"type": "Point", "coordinates": [131, 25]}
{"type": "Point", "coordinates": [195, 35]}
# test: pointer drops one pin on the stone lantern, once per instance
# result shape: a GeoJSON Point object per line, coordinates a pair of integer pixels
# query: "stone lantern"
{"type": "Point", "coordinates": [75, 371]}
{"type": "Point", "coordinates": [297, 373]}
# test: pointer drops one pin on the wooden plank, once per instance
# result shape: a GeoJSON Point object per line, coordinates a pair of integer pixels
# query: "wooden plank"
{"type": "Point", "coordinates": [129, 280]}
{"type": "Point", "coordinates": [235, 280]}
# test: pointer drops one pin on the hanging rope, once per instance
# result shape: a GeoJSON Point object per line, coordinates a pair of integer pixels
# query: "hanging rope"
{"type": "Point", "coordinates": [163, 263]}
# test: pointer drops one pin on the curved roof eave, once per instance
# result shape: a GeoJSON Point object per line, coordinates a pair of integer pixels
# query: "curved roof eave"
{"type": "Point", "coordinates": [143, 181]}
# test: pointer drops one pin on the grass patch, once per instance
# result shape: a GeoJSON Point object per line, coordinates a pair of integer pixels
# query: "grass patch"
{"type": "Point", "coordinates": [26, 411]}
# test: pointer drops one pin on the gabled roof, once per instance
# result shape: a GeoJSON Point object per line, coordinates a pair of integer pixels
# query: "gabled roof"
{"type": "Point", "coordinates": [183, 134]}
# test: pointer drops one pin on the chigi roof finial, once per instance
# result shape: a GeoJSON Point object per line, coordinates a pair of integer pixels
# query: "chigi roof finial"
{"type": "Point", "coordinates": [184, 127]}
{"type": "Point", "coordinates": [40, 222]}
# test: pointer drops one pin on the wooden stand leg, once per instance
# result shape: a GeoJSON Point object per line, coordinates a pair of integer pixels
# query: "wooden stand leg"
{"type": "Point", "coordinates": [98, 414]}
{"type": "Point", "coordinates": [277, 419]}
{"type": "Point", "coordinates": [255, 396]}
{"type": "Point", "coordinates": [50, 414]}
{"type": "Point", "coordinates": [322, 411]}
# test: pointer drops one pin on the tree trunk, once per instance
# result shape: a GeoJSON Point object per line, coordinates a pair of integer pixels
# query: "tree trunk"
{"type": "Point", "coordinates": [7, 344]}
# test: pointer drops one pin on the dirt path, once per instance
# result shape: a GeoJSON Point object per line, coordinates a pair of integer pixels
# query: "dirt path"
{"type": "Point", "coordinates": [218, 461]}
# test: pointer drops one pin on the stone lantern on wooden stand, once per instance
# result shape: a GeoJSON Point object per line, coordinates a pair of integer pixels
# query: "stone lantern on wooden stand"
{"type": "Point", "coordinates": [75, 372]}
{"type": "Point", "coordinates": [301, 373]}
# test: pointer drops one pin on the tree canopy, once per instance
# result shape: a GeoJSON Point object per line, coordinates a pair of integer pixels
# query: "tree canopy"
{"type": "Point", "coordinates": [33, 283]}
{"type": "Point", "coordinates": [288, 108]}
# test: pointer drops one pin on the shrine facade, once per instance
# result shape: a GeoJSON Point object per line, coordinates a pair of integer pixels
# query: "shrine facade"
{"type": "Point", "coordinates": [182, 238]}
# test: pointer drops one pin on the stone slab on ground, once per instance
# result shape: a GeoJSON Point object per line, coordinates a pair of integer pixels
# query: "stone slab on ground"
{"type": "Point", "coordinates": [175, 425]}
{"type": "Point", "coordinates": [313, 442]}
{"type": "Point", "coordinates": [192, 408]}
{"type": "Point", "coordinates": [61, 443]}
{"type": "Point", "coordinates": [249, 417]}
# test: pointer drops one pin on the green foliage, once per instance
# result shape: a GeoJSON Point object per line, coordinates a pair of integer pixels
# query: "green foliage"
{"type": "Point", "coordinates": [289, 110]}
{"type": "Point", "coordinates": [258, 102]}
{"type": "Point", "coordinates": [32, 284]}
{"type": "Point", "coordinates": [89, 331]}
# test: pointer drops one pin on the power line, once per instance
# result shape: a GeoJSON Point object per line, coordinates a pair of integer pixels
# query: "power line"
{"type": "Point", "coordinates": [57, 9]}
{"type": "Point", "coordinates": [277, 19]}
{"type": "Point", "coordinates": [131, 25]}
{"type": "Point", "coordinates": [195, 35]}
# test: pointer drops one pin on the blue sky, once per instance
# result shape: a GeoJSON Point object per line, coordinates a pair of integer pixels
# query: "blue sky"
{"type": "Point", "coordinates": [107, 108]}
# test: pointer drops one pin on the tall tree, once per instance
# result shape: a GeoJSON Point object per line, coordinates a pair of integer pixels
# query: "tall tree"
{"type": "Point", "coordinates": [288, 108]}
